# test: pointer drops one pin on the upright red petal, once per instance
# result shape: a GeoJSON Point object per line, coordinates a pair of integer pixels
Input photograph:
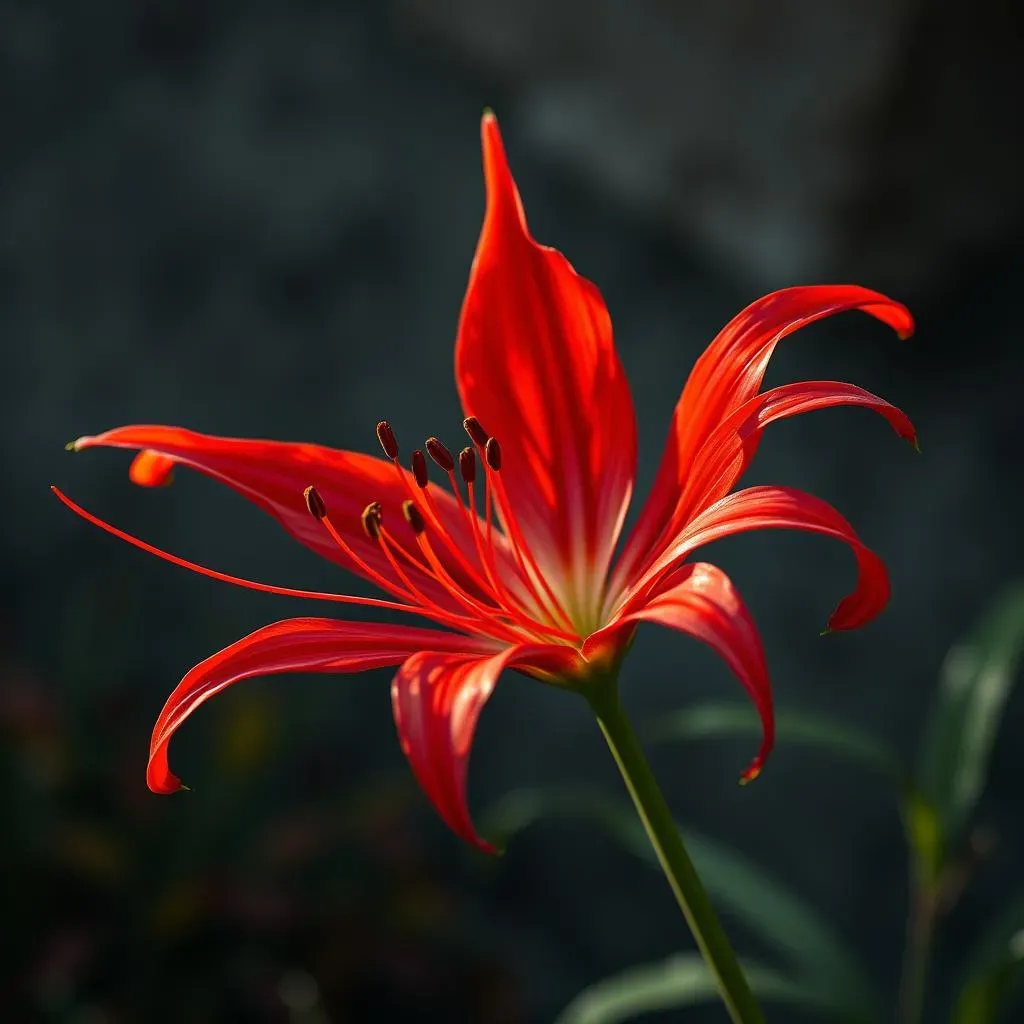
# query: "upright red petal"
{"type": "Point", "coordinates": [699, 599]}
{"type": "Point", "coordinates": [773, 508]}
{"type": "Point", "coordinates": [275, 474]}
{"type": "Point", "coordinates": [536, 364]}
{"type": "Point", "coordinates": [294, 645]}
{"type": "Point", "coordinates": [437, 698]}
{"type": "Point", "coordinates": [728, 374]}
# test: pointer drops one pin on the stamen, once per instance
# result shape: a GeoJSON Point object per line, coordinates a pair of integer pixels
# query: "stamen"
{"type": "Point", "coordinates": [476, 432]}
{"type": "Point", "coordinates": [516, 608]}
{"type": "Point", "coordinates": [492, 454]}
{"type": "Point", "coordinates": [476, 624]}
{"type": "Point", "coordinates": [487, 614]}
{"type": "Point", "coordinates": [386, 436]}
{"type": "Point", "coordinates": [419, 468]}
{"type": "Point", "coordinates": [440, 454]}
{"type": "Point", "coordinates": [371, 519]}
{"type": "Point", "coordinates": [414, 517]}
{"type": "Point", "coordinates": [490, 584]}
{"type": "Point", "coordinates": [315, 504]}
{"type": "Point", "coordinates": [239, 581]}
{"type": "Point", "coordinates": [491, 617]}
{"type": "Point", "coordinates": [488, 619]}
{"type": "Point", "coordinates": [520, 549]}
{"type": "Point", "coordinates": [484, 621]}
{"type": "Point", "coordinates": [382, 581]}
{"type": "Point", "coordinates": [506, 605]}
{"type": "Point", "coordinates": [467, 465]}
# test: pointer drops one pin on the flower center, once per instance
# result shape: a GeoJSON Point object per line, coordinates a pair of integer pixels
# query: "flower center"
{"type": "Point", "coordinates": [497, 585]}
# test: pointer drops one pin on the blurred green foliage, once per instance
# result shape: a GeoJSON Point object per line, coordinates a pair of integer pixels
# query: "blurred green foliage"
{"type": "Point", "coordinates": [937, 800]}
{"type": "Point", "coordinates": [680, 981]}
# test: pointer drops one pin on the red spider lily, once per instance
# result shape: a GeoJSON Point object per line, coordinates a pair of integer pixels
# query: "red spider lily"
{"type": "Point", "coordinates": [516, 559]}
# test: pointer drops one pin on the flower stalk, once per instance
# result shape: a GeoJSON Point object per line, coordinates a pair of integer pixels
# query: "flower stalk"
{"type": "Point", "coordinates": [692, 897]}
{"type": "Point", "coordinates": [917, 954]}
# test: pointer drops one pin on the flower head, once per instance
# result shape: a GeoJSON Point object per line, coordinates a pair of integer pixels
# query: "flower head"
{"type": "Point", "coordinates": [509, 544]}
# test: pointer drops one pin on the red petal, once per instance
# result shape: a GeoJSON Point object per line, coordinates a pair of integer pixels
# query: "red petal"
{"type": "Point", "coordinates": [437, 699]}
{"type": "Point", "coordinates": [766, 508]}
{"type": "Point", "coordinates": [700, 600]}
{"type": "Point", "coordinates": [727, 375]}
{"type": "Point", "coordinates": [726, 454]}
{"type": "Point", "coordinates": [294, 645]}
{"type": "Point", "coordinates": [536, 364]}
{"type": "Point", "coordinates": [274, 475]}
{"type": "Point", "coordinates": [151, 469]}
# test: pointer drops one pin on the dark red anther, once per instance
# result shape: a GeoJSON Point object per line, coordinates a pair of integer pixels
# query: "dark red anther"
{"type": "Point", "coordinates": [419, 468]}
{"type": "Point", "coordinates": [472, 427]}
{"type": "Point", "coordinates": [413, 517]}
{"type": "Point", "coordinates": [440, 454]}
{"type": "Point", "coordinates": [371, 520]}
{"type": "Point", "coordinates": [467, 465]}
{"type": "Point", "coordinates": [386, 436]}
{"type": "Point", "coordinates": [492, 453]}
{"type": "Point", "coordinates": [315, 504]}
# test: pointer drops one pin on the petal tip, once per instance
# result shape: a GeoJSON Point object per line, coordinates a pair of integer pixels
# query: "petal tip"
{"type": "Point", "coordinates": [915, 443]}
{"type": "Point", "coordinates": [160, 779]}
{"type": "Point", "coordinates": [169, 785]}
{"type": "Point", "coordinates": [151, 469]}
{"type": "Point", "coordinates": [903, 320]}
{"type": "Point", "coordinates": [502, 196]}
{"type": "Point", "coordinates": [751, 773]}
{"type": "Point", "coordinates": [490, 133]}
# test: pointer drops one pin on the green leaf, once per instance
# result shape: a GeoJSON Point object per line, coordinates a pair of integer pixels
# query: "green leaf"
{"type": "Point", "coordinates": [920, 820]}
{"type": "Point", "coordinates": [974, 686]}
{"type": "Point", "coordinates": [993, 969]}
{"type": "Point", "coordinates": [709, 721]}
{"type": "Point", "coordinates": [782, 920]}
{"type": "Point", "coordinates": [680, 981]}
{"type": "Point", "coordinates": [766, 908]}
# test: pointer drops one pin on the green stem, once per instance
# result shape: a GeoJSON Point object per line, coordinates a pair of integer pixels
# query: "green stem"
{"type": "Point", "coordinates": [682, 876]}
{"type": "Point", "coordinates": [926, 844]}
{"type": "Point", "coordinates": [920, 931]}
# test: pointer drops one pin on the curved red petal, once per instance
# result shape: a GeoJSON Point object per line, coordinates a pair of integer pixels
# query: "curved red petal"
{"type": "Point", "coordinates": [730, 448]}
{"type": "Point", "coordinates": [728, 374]}
{"type": "Point", "coordinates": [700, 600]}
{"type": "Point", "coordinates": [536, 364]}
{"type": "Point", "coordinates": [151, 469]}
{"type": "Point", "coordinates": [775, 508]}
{"type": "Point", "coordinates": [437, 698]}
{"type": "Point", "coordinates": [293, 645]}
{"type": "Point", "coordinates": [275, 474]}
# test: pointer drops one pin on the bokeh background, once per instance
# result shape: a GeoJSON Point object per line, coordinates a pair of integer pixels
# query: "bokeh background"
{"type": "Point", "coordinates": [256, 218]}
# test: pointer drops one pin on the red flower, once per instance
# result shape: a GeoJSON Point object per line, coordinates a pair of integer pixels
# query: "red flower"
{"type": "Point", "coordinates": [516, 561]}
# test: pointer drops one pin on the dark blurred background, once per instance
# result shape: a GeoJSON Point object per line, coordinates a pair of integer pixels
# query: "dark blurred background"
{"type": "Point", "coordinates": [257, 218]}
